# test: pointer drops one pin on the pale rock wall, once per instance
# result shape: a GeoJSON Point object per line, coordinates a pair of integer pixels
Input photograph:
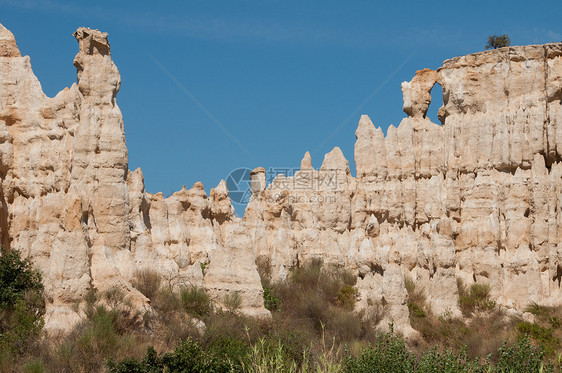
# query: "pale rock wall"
{"type": "Point", "coordinates": [69, 202]}
{"type": "Point", "coordinates": [477, 198]}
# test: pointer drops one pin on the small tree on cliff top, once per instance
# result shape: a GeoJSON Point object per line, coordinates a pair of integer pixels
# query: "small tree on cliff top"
{"type": "Point", "coordinates": [498, 41]}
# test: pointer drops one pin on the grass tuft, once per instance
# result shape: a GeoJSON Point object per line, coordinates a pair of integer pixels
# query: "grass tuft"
{"type": "Point", "coordinates": [147, 281]}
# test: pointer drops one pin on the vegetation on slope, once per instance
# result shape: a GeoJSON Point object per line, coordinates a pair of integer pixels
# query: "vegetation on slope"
{"type": "Point", "coordinates": [21, 304]}
{"type": "Point", "coordinates": [313, 328]}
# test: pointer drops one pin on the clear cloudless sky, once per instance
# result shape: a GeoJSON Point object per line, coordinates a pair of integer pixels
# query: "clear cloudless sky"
{"type": "Point", "coordinates": [282, 77]}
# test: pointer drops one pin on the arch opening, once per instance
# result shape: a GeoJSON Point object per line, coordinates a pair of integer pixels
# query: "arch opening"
{"type": "Point", "coordinates": [436, 104]}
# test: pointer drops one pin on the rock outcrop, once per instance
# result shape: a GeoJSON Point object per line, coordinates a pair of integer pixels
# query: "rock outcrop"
{"type": "Point", "coordinates": [477, 197]}
{"type": "Point", "coordinates": [69, 202]}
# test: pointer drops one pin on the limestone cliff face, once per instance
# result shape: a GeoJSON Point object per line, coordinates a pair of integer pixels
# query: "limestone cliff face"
{"type": "Point", "coordinates": [476, 198]}
{"type": "Point", "coordinates": [69, 202]}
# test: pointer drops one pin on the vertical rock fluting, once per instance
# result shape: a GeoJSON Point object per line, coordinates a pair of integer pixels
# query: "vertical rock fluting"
{"type": "Point", "coordinates": [64, 169]}
{"type": "Point", "coordinates": [70, 203]}
{"type": "Point", "coordinates": [477, 198]}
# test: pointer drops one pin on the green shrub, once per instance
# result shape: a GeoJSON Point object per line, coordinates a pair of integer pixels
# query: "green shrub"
{"type": "Point", "coordinates": [545, 314]}
{"type": "Point", "coordinates": [34, 366]}
{"type": "Point", "coordinates": [105, 334]}
{"type": "Point", "coordinates": [114, 296]}
{"type": "Point", "coordinates": [204, 266]}
{"type": "Point", "coordinates": [17, 278]}
{"type": "Point", "coordinates": [312, 290]}
{"type": "Point", "coordinates": [295, 343]}
{"type": "Point", "coordinates": [268, 356]}
{"type": "Point", "coordinates": [317, 300]}
{"type": "Point", "coordinates": [232, 350]}
{"type": "Point", "coordinates": [165, 301]}
{"type": "Point", "coordinates": [225, 325]}
{"type": "Point", "coordinates": [522, 357]}
{"type": "Point", "coordinates": [22, 305]}
{"type": "Point", "coordinates": [415, 310]}
{"type": "Point", "coordinates": [475, 298]}
{"type": "Point", "coordinates": [91, 342]}
{"type": "Point", "coordinates": [327, 282]}
{"type": "Point", "coordinates": [270, 300]}
{"type": "Point", "coordinates": [264, 270]}
{"type": "Point", "coordinates": [307, 276]}
{"type": "Point", "coordinates": [346, 297]}
{"type": "Point", "coordinates": [90, 300]}
{"type": "Point", "coordinates": [232, 301]}
{"type": "Point", "coordinates": [543, 336]}
{"type": "Point", "coordinates": [538, 310]}
{"type": "Point", "coordinates": [409, 284]}
{"type": "Point", "coordinates": [388, 354]}
{"type": "Point", "coordinates": [480, 292]}
{"type": "Point", "coordinates": [147, 281]}
{"type": "Point", "coordinates": [343, 325]}
{"type": "Point", "coordinates": [416, 299]}
{"type": "Point", "coordinates": [188, 357]}
{"type": "Point", "coordinates": [195, 301]}
{"type": "Point", "coordinates": [151, 363]}
{"type": "Point", "coordinates": [554, 321]}
{"type": "Point", "coordinates": [101, 334]}
{"type": "Point", "coordinates": [449, 361]}
{"type": "Point", "coordinates": [424, 322]}
{"type": "Point", "coordinates": [313, 307]}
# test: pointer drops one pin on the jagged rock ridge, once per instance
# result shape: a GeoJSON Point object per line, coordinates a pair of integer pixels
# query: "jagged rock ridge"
{"type": "Point", "coordinates": [477, 198]}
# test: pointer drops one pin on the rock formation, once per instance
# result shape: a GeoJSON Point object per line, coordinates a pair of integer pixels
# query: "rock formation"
{"type": "Point", "coordinates": [477, 197]}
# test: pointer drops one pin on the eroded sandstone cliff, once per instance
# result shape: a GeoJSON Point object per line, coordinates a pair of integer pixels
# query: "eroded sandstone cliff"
{"type": "Point", "coordinates": [477, 197]}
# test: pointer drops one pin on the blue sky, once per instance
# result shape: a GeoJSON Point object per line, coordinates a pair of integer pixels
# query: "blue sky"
{"type": "Point", "coordinates": [268, 80]}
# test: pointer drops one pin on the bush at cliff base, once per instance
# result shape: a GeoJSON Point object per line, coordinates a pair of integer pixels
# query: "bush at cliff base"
{"type": "Point", "coordinates": [21, 301]}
